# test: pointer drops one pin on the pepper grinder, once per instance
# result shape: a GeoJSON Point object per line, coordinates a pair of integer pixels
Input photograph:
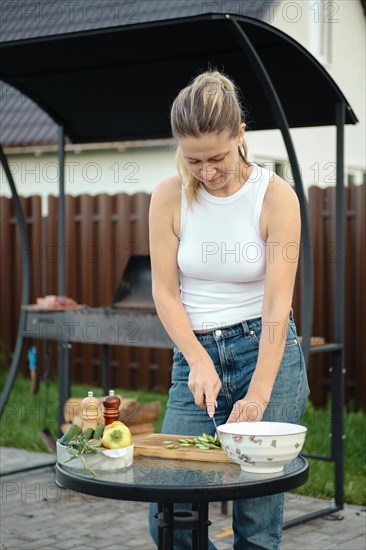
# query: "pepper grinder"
{"type": "Point", "coordinates": [90, 412]}
{"type": "Point", "coordinates": [111, 404]}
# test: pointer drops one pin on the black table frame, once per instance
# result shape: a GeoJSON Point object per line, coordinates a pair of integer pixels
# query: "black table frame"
{"type": "Point", "coordinates": [169, 518]}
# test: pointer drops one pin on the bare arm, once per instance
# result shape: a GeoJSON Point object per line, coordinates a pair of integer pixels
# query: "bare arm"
{"type": "Point", "coordinates": [204, 381]}
{"type": "Point", "coordinates": [282, 252]}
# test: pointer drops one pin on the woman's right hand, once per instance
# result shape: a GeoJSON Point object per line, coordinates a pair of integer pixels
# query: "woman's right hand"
{"type": "Point", "coordinates": [204, 383]}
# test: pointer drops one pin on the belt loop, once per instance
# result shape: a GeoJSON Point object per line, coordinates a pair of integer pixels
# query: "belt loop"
{"type": "Point", "coordinates": [244, 324]}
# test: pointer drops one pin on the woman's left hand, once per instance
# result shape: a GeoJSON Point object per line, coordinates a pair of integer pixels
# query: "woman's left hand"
{"type": "Point", "coordinates": [249, 409]}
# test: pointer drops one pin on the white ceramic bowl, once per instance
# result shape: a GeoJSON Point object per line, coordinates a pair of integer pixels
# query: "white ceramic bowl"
{"type": "Point", "coordinates": [262, 447]}
{"type": "Point", "coordinates": [107, 460]}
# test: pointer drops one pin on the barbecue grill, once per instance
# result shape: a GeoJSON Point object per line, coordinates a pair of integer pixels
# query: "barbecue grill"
{"type": "Point", "coordinates": [131, 320]}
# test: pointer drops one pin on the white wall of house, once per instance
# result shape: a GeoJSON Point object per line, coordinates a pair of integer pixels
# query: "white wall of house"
{"type": "Point", "coordinates": [91, 172]}
{"type": "Point", "coordinates": [333, 31]}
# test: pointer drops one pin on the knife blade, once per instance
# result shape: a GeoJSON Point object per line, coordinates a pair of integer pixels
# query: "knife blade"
{"type": "Point", "coordinates": [212, 416]}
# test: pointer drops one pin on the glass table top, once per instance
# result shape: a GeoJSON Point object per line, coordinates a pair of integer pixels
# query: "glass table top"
{"type": "Point", "coordinates": [147, 475]}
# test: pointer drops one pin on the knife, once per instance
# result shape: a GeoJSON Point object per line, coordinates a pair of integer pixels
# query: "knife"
{"type": "Point", "coordinates": [213, 417]}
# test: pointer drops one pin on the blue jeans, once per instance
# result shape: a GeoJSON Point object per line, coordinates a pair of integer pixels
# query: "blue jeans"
{"type": "Point", "coordinates": [257, 522]}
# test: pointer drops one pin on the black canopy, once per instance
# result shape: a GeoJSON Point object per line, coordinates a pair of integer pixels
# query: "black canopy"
{"type": "Point", "coordinates": [118, 83]}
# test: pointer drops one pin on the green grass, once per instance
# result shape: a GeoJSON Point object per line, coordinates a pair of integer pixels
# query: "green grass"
{"type": "Point", "coordinates": [321, 476]}
{"type": "Point", "coordinates": [26, 415]}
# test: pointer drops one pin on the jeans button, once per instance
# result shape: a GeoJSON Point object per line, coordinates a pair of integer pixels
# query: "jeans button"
{"type": "Point", "coordinates": [218, 332]}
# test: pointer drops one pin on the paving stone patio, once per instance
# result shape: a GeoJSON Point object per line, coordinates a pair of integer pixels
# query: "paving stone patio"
{"type": "Point", "coordinates": [38, 515]}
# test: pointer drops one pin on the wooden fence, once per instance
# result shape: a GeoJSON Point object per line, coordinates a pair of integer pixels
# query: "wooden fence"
{"type": "Point", "coordinates": [103, 231]}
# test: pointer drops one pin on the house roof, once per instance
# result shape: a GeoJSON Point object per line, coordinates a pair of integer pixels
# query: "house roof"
{"type": "Point", "coordinates": [34, 18]}
{"type": "Point", "coordinates": [100, 83]}
{"type": "Point", "coordinates": [22, 121]}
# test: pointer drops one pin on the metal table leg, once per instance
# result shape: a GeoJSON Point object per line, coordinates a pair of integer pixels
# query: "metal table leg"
{"type": "Point", "coordinates": [195, 520]}
{"type": "Point", "coordinates": [203, 527]}
{"type": "Point", "coordinates": [160, 526]}
{"type": "Point", "coordinates": [168, 526]}
{"type": "Point", "coordinates": [200, 534]}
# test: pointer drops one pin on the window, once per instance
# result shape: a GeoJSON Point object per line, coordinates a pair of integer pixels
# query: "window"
{"type": "Point", "coordinates": [281, 167]}
{"type": "Point", "coordinates": [355, 176]}
{"type": "Point", "coordinates": [322, 16]}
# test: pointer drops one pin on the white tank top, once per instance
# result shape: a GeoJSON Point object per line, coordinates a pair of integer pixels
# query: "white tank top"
{"type": "Point", "coordinates": [222, 256]}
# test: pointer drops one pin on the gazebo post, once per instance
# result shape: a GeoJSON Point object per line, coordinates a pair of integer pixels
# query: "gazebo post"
{"type": "Point", "coordinates": [63, 374]}
{"type": "Point", "coordinates": [281, 119]}
{"type": "Point", "coordinates": [61, 213]}
{"type": "Point", "coordinates": [15, 362]}
{"type": "Point", "coordinates": [338, 369]}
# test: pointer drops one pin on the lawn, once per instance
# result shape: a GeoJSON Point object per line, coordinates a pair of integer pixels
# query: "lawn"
{"type": "Point", "coordinates": [26, 415]}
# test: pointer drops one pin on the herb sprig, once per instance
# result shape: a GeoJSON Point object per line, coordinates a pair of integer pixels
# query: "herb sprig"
{"type": "Point", "coordinates": [203, 442]}
{"type": "Point", "coordinates": [79, 446]}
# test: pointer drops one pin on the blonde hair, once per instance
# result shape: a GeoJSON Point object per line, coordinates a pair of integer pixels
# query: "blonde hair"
{"type": "Point", "coordinates": [210, 103]}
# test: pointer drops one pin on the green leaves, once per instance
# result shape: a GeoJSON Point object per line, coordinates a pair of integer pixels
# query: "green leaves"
{"type": "Point", "coordinates": [203, 442]}
{"type": "Point", "coordinates": [79, 446]}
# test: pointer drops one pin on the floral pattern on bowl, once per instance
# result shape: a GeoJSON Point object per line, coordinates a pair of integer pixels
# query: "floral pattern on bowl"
{"type": "Point", "coordinates": [262, 447]}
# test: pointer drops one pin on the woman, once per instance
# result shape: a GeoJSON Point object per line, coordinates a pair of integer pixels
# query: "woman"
{"type": "Point", "coordinates": [224, 242]}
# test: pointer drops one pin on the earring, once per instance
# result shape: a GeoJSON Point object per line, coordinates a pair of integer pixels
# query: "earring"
{"type": "Point", "coordinates": [242, 152]}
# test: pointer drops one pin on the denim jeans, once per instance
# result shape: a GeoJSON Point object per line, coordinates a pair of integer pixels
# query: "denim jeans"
{"type": "Point", "coordinates": [257, 522]}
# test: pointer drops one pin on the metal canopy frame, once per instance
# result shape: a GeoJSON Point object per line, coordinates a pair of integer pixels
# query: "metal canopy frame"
{"type": "Point", "coordinates": [342, 114]}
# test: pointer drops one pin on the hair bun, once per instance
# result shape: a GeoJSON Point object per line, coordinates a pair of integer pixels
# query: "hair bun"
{"type": "Point", "coordinates": [226, 83]}
{"type": "Point", "coordinates": [214, 78]}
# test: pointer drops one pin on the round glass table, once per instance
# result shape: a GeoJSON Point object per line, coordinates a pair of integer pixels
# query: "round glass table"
{"type": "Point", "coordinates": [167, 481]}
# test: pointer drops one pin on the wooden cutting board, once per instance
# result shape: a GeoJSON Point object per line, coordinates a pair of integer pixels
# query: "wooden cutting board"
{"type": "Point", "coordinates": [153, 445]}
